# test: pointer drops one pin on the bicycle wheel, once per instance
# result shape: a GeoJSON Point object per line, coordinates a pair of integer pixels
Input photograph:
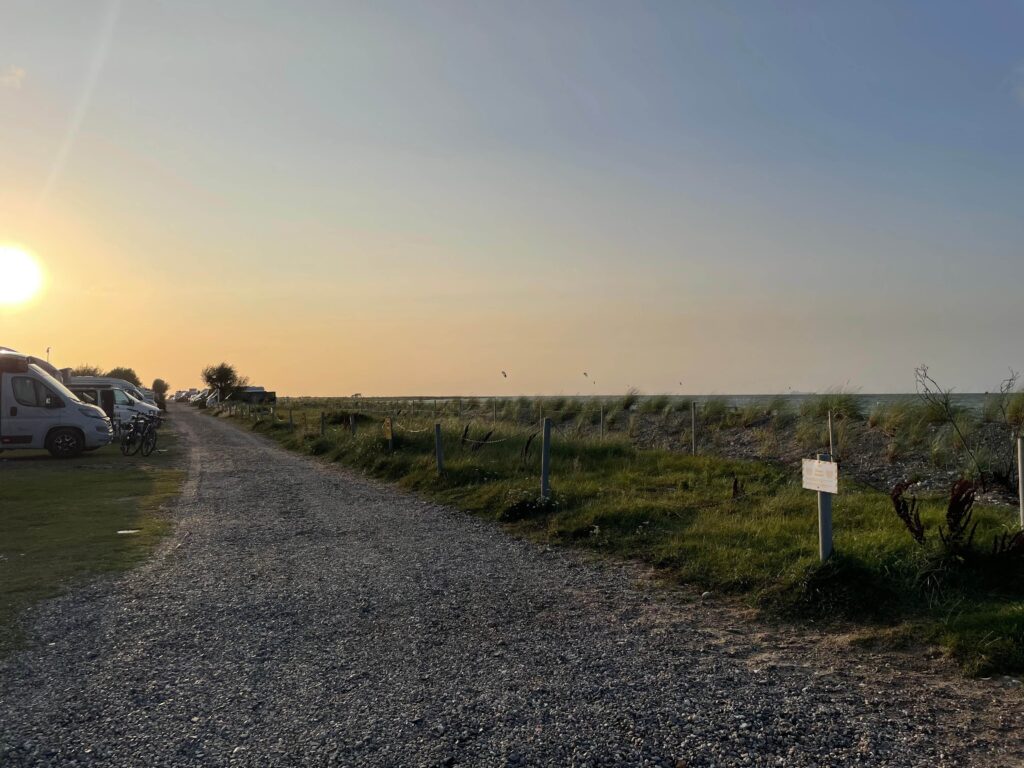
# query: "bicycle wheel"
{"type": "Point", "coordinates": [148, 441]}
{"type": "Point", "coordinates": [126, 436]}
{"type": "Point", "coordinates": [134, 442]}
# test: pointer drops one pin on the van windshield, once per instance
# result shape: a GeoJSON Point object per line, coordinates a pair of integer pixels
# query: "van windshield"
{"type": "Point", "coordinates": [53, 384]}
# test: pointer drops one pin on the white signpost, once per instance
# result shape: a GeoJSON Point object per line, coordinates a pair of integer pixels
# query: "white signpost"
{"type": "Point", "coordinates": [822, 475]}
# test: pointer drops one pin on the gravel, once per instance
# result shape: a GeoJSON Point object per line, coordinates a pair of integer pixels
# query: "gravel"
{"type": "Point", "coordinates": [303, 615]}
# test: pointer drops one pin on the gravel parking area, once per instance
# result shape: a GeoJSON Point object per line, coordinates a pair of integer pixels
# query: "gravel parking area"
{"type": "Point", "coordinates": [303, 615]}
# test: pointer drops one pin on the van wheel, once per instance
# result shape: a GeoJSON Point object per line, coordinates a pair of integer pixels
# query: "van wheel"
{"type": "Point", "coordinates": [65, 443]}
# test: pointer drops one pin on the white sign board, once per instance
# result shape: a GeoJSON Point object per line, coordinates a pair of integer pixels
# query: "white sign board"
{"type": "Point", "coordinates": [821, 476]}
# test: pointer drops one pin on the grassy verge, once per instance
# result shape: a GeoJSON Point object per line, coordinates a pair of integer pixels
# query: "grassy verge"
{"type": "Point", "coordinates": [59, 521]}
{"type": "Point", "coordinates": [739, 527]}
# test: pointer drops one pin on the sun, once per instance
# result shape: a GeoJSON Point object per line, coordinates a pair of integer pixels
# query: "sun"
{"type": "Point", "coordinates": [20, 276]}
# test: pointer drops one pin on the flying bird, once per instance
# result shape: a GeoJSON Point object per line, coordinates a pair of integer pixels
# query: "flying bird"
{"type": "Point", "coordinates": [504, 374]}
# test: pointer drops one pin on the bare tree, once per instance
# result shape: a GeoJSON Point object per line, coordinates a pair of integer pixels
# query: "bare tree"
{"type": "Point", "coordinates": [930, 391]}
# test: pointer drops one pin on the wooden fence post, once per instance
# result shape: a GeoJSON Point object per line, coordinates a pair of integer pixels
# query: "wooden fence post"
{"type": "Point", "coordinates": [438, 448]}
{"type": "Point", "coordinates": [693, 427]}
{"type": "Point", "coordinates": [545, 462]}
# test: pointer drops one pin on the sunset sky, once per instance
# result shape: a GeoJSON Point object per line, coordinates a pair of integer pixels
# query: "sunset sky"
{"type": "Point", "coordinates": [409, 198]}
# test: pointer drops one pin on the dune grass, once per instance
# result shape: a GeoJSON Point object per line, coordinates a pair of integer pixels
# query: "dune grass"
{"type": "Point", "coordinates": [60, 519]}
{"type": "Point", "coordinates": [737, 527]}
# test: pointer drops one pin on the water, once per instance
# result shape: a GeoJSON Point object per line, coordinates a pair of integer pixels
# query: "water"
{"type": "Point", "coordinates": [971, 401]}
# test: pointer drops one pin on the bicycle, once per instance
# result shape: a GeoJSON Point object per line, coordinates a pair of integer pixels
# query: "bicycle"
{"type": "Point", "coordinates": [139, 434]}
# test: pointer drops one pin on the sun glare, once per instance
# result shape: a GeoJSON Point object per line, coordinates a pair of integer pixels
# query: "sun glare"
{"type": "Point", "coordinates": [20, 276]}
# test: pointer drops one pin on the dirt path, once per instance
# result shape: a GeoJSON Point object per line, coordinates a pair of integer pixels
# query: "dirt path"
{"type": "Point", "coordinates": [302, 615]}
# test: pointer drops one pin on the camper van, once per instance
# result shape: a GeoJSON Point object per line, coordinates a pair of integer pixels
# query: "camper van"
{"type": "Point", "coordinates": [118, 404]}
{"type": "Point", "coordinates": [92, 381]}
{"type": "Point", "coordinates": [37, 411]}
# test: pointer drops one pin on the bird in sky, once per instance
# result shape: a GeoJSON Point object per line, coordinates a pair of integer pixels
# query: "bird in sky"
{"type": "Point", "coordinates": [504, 374]}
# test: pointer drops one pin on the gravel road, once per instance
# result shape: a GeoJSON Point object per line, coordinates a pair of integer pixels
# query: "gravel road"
{"type": "Point", "coordinates": [303, 615]}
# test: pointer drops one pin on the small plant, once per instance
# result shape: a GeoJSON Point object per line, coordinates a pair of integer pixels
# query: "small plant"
{"type": "Point", "coordinates": [907, 512]}
{"type": "Point", "coordinates": [959, 532]}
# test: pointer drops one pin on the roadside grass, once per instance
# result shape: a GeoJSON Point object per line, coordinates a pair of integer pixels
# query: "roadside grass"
{"type": "Point", "coordinates": [736, 527]}
{"type": "Point", "coordinates": [59, 521]}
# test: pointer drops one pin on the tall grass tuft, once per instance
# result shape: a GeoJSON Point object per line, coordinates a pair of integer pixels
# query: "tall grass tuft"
{"type": "Point", "coordinates": [629, 400]}
{"type": "Point", "coordinates": [842, 403]}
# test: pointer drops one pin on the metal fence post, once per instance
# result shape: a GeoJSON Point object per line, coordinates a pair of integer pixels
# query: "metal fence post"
{"type": "Point", "coordinates": [323, 423]}
{"type": "Point", "coordinates": [438, 448]}
{"type": "Point", "coordinates": [291, 418]}
{"type": "Point", "coordinates": [601, 422]}
{"type": "Point", "coordinates": [352, 423]}
{"type": "Point", "coordinates": [545, 461]}
{"type": "Point", "coordinates": [824, 518]}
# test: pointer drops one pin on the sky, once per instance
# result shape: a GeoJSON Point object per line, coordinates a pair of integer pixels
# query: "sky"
{"type": "Point", "coordinates": [410, 198]}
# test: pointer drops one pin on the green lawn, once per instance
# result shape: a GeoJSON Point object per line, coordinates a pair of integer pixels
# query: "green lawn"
{"type": "Point", "coordinates": [678, 513]}
{"type": "Point", "coordinates": [59, 520]}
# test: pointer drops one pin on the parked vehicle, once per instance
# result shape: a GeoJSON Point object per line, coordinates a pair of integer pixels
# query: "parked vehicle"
{"type": "Point", "coordinates": [38, 411]}
{"type": "Point", "coordinates": [127, 386]}
{"type": "Point", "coordinates": [117, 403]}
{"type": "Point", "coordinates": [253, 396]}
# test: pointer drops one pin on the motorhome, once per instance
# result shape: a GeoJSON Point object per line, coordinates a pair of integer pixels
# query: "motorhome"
{"type": "Point", "coordinates": [91, 381]}
{"type": "Point", "coordinates": [38, 411]}
{"type": "Point", "coordinates": [118, 404]}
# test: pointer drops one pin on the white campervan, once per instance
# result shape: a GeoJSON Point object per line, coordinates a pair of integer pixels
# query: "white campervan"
{"type": "Point", "coordinates": [118, 404]}
{"type": "Point", "coordinates": [107, 381]}
{"type": "Point", "coordinates": [37, 411]}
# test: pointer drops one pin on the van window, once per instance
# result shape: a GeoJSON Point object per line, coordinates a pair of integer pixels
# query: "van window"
{"type": "Point", "coordinates": [121, 398]}
{"type": "Point", "coordinates": [86, 396]}
{"type": "Point", "coordinates": [28, 391]}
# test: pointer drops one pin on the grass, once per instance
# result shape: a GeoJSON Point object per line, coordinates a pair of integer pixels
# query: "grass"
{"type": "Point", "coordinates": [842, 404]}
{"type": "Point", "coordinates": [61, 518]}
{"type": "Point", "coordinates": [680, 514]}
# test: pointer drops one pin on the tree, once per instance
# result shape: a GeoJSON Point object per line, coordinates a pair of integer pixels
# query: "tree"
{"type": "Point", "coordinates": [86, 370]}
{"type": "Point", "coordinates": [222, 378]}
{"type": "Point", "coordinates": [160, 388]}
{"type": "Point", "coordinates": [127, 374]}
